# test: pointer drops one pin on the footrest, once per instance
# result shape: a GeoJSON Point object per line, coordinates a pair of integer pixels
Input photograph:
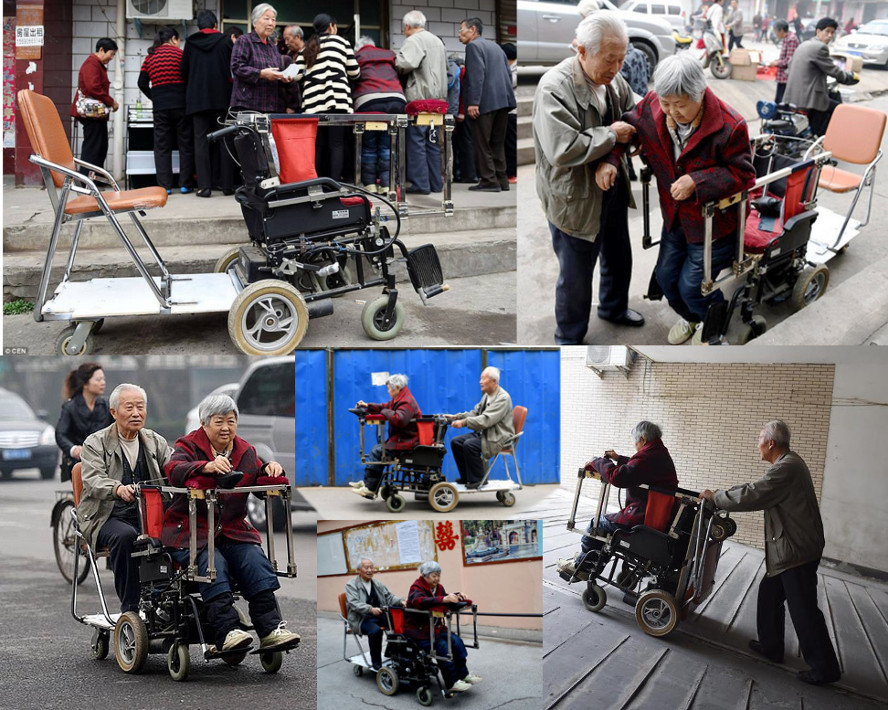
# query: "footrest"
{"type": "Point", "coordinates": [213, 653]}
{"type": "Point", "coordinates": [283, 647]}
{"type": "Point", "coordinates": [424, 269]}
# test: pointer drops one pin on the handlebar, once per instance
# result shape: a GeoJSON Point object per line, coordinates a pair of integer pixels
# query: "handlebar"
{"type": "Point", "coordinates": [222, 132]}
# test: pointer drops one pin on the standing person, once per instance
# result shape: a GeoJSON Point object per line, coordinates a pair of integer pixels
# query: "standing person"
{"type": "Point", "coordinates": [325, 67]}
{"type": "Point", "coordinates": [734, 25]}
{"type": "Point", "coordinates": [757, 26]}
{"type": "Point", "coordinates": [256, 66]}
{"type": "Point", "coordinates": [806, 83]}
{"type": "Point", "coordinates": [378, 91]}
{"type": "Point", "coordinates": [364, 599]}
{"type": "Point", "coordinates": [84, 412]}
{"type": "Point", "coordinates": [576, 122]}
{"type": "Point", "coordinates": [787, 49]}
{"type": "Point", "coordinates": [294, 40]}
{"type": "Point", "coordinates": [423, 59]}
{"type": "Point", "coordinates": [715, 16]}
{"type": "Point", "coordinates": [511, 52]}
{"type": "Point", "coordinates": [234, 34]}
{"type": "Point", "coordinates": [463, 151]}
{"type": "Point", "coordinates": [794, 544]}
{"type": "Point", "coordinates": [93, 83]}
{"type": "Point", "coordinates": [489, 98]}
{"type": "Point", "coordinates": [293, 43]}
{"type": "Point", "coordinates": [205, 69]}
{"type": "Point", "coordinates": [161, 81]}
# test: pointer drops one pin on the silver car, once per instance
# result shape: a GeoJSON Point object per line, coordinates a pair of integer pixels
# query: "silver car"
{"type": "Point", "coordinates": [546, 29]}
{"type": "Point", "coordinates": [870, 43]}
{"type": "Point", "coordinates": [672, 12]}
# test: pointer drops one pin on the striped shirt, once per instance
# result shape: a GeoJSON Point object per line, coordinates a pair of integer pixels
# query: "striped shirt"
{"type": "Point", "coordinates": [162, 70]}
{"type": "Point", "coordinates": [325, 86]}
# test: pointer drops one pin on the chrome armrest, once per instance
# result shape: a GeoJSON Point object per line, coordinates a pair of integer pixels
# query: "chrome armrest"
{"type": "Point", "coordinates": [73, 174]}
{"type": "Point", "coordinates": [100, 171]}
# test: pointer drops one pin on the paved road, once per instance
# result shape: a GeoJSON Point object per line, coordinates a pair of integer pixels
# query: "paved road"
{"type": "Point", "coordinates": [46, 654]}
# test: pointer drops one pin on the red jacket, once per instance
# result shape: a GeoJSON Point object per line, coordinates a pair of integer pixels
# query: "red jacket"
{"type": "Point", "coordinates": [191, 454]}
{"type": "Point", "coordinates": [420, 596]}
{"type": "Point", "coordinates": [717, 157]}
{"type": "Point", "coordinates": [652, 464]}
{"type": "Point", "coordinates": [93, 82]}
{"type": "Point", "coordinates": [399, 413]}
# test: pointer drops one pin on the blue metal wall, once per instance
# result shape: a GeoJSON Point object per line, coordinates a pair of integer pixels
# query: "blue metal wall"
{"type": "Point", "coordinates": [441, 381]}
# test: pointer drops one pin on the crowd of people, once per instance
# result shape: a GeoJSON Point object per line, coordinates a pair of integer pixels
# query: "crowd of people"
{"type": "Point", "coordinates": [194, 88]}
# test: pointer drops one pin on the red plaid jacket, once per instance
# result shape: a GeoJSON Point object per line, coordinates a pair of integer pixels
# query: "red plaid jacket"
{"type": "Point", "coordinates": [192, 453]}
{"type": "Point", "coordinates": [790, 45]}
{"type": "Point", "coordinates": [399, 413]}
{"type": "Point", "coordinates": [717, 157]}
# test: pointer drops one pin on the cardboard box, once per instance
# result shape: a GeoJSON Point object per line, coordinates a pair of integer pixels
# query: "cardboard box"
{"type": "Point", "coordinates": [851, 63]}
{"type": "Point", "coordinates": [744, 64]}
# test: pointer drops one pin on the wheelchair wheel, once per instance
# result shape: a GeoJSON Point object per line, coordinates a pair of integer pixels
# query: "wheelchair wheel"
{"type": "Point", "coordinates": [235, 659]}
{"type": "Point", "coordinates": [656, 613]}
{"type": "Point", "coordinates": [387, 681]}
{"type": "Point", "coordinates": [130, 642]}
{"type": "Point", "coordinates": [226, 260]}
{"type": "Point", "coordinates": [271, 661]}
{"type": "Point", "coordinates": [179, 661]}
{"type": "Point", "coordinates": [443, 497]}
{"type": "Point", "coordinates": [809, 286]}
{"type": "Point", "coordinates": [424, 695]}
{"type": "Point", "coordinates": [395, 503]}
{"type": "Point", "coordinates": [385, 491]}
{"type": "Point", "coordinates": [752, 330]}
{"type": "Point", "coordinates": [358, 670]}
{"type": "Point", "coordinates": [372, 319]}
{"type": "Point", "coordinates": [66, 546]}
{"type": "Point", "coordinates": [718, 531]}
{"type": "Point", "coordinates": [268, 317]}
{"type": "Point", "coordinates": [100, 645]}
{"type": "Point", "coordinates": [594, 598]}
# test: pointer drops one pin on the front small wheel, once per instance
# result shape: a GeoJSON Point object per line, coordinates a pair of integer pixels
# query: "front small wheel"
{"type": "Point", "coordinates": [756, 327]}
{"type": "Point", "coordinates": [375, 323]}
{"type": "Point", "coordinates": [271, 661]}
{"type": "Point", "coordinates": [387, 681]}
{"type": "Point", "coordinates": [358, 670]}
{"type": "Point", "coordinates": [508, 499]}
{"type": "Point", "coordinates": [100, 645]}
{"type": "Point", "coordinates": [395, 503]}
{"type": "Point", "coordinates": [63, 342]}
{"type": "Point", "coordinates": [424, 695]}
{"type": "Point", "coordinates": [179, 661]}
{"type": "Point", "coordinates": [594, 598]}
{"type": "Point", "coordinates": [443, 497]}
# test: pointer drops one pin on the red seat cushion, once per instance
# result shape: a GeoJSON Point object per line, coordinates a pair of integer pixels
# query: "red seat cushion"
{"type": "Point", "coordinates": [756, 239]}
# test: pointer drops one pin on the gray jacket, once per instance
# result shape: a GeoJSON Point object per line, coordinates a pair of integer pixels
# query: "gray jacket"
{"type": "Point", "coordinates": [488, 80]}
{"type": "Point", "coordinates": [793, 528]}
{"type": "Point", "coordinates": [492, 416]}
{"type": "Point", "coordinates": [356, 601]}
{"type": "Point", "coordinates": [569, 139]}
{"type": "Point", "coordinates": [808, 69]}
{"type": "Point", "coordinates": [423, 58]}
{"type": "Point", "coordinates": [102, 459]}
{"type": "Point", "coordinates": [734, 21]}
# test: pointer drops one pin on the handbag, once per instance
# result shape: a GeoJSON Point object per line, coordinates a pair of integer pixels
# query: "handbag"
{"type": "Point", "coordinates": [88, 107]}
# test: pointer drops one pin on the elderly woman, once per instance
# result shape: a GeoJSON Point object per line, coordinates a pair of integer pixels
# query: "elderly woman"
{"type": "Point", "coordinates": [400, 412]}
{"type": "Point", "coordinates": [84, 412]}
{"type": "Point", "coordinates": [698, 149]}
{"type": "Point", "coordinates": [210, 451]}
{"type": "Point", "coordinates": [427, 593]}
{"type": "Point", "coordinates": [650, 464]}
{"type": "Point", "coordinates": [256, 66]}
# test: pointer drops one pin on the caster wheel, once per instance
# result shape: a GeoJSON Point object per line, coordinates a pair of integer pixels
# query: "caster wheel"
{"type": "Point", "coordinates": [594, 598]}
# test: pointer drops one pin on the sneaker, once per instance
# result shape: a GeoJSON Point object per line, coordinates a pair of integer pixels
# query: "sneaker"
{"type": "Point", "coordinates": [356, 484]}
{"type": "Point", "coordinates": [698, 336]}
{"type": "Point", "coordinates": [472, 679]}
{"type": "Point", "coordinates": [459, 687]}
{"type": "Point", "coordinates": [235, 639]}
{"type": "Point", "coordinates": [513, 180]}
{"type": "Point", "coordinates": [567, 569]}
{"type": "Point", "coordinates": [370, 188]}
{"type": "Point", "coordinates": [362, 490]}
{"type": "Point", "coordinates": [279, 637]}
{"type": "Point", "coordinates": [681, 331]}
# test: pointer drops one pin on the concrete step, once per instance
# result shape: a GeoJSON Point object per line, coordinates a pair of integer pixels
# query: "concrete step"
{"type": "Point", "coordinates": [525, 127]}
{"type": "Point", "coordinates": [525, 151]}
{"type": "Point", "coordinates": [463, 254]}
{"type": "Point", "coordinates": [525, 105]}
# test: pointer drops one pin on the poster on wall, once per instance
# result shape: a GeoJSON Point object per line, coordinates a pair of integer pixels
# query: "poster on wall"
{"type": "Point", "coordinates": [488, 541]}
{"type": "Point", "coordinates": [9, 82]}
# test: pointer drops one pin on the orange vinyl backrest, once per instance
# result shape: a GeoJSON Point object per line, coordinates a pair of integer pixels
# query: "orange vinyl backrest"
{"type": "Point", "coordinates": [658, 511]}
{"type": "Point", "coordinates": [45, 131]}
{"type": "Point", "coordinates": [295, 141]}
{"type": "Point", "coordinates": [855, 133]}
{"type": "Point", "coordinates": [343, 607]}
{"type": "Point", "coordinates": [77, 480]}
{"type": "Point", "coordinates": [519, 414]}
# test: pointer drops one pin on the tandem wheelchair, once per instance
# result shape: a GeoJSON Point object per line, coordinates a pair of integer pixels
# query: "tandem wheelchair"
{"type": "Point", "coordinates": [405, 662]}
{"type": "Point", "coordinates": [171, 613]}
{"type": "Point", "coordinates": [419, 470]}
{"type": "Point", "coordinates": [667, 565]}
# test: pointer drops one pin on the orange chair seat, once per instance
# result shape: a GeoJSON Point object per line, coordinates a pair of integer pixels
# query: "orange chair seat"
{"type": "Point", "coordinates": [837, 180]}
{"type": "Point", "coordinates": [142, 199]}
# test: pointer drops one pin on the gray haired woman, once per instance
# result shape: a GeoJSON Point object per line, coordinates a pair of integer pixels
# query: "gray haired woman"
{"type": "Point", "coordinates": [256, 66]}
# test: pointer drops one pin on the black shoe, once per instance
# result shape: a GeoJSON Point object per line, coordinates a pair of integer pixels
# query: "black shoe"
{"type": "Point", "coordinates": [206, 192]}
{"type": "Point", "coordinates": [631, 318]}
{"type": "Point", "coordinates": [416, 191]}
{"type": "Point", "coordinates": [460, 480]}
{"type": "Point", "coordinates": [504, 187]}
{"type": "Point", "coordinates": [757, 647]}
{"type": "Point", "coordinates": [473, 486]}
{"type": "Point", "coordinates": [374, 667]}
{"type": "Point", "coordinates": [228, 192]}
{"type": "Point", "coordinates": [481, 187]}
{"type": "Point", "coordinates": [815, 678]}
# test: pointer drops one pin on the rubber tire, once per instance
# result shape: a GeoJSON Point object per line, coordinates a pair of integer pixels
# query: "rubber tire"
{"type": "Point", "coordinates": [226, 260]}
{"type": "Point", "coordinates": [235, 659]}
{"type": "Point", "coordinates": [447, 491]}
{"type": "Point", "coordinates": [258, 519]}
{"type": "Point", "coordinates": [425, 696]}
{"type": "Point", "coordinates": [65, 336]}
{"type": "Point", "coordinates": [753, 330]}
{"type": "Point", "coordinates": [650, 55]}
{"type": "Point", "coordinates": [721, 71]}
{"type": "Point", "coordinates": [814, 278]}
{"type": "Point", "coordinates": [271, 661]}
{"type": "Point", "coordinates": [385, 491]}
{"type": "Point", "coordinates": [654, 602]}
{"type": "Point", "coordinates": [60, 532]}
{"type": "Point", "coordinates": [508, 499]}
{"type": "Point", "coordinates": [387, 681]}
{"type": "Point", "coordinates": [358, 670]}
{"type": "Point", "coordinates": [732, 526]}
{"type": "Point", "coordinates": [98, 326]}
{"type": "Point", "coordinates": [130, 631]}
{"type": "Point", "coordinates": [100, 652]}
{"type": "Point", "coordinates": [499, 496]}
{"type": "Point", "coordinates": [594, 597]}
{"type": "Point", "coordinates": [245, 302]}
{"type": "Point", "coordinates": [395, 503]}
{"type": "Point", "coordinates": [179, 662]}
{"type": "Point", "coordinates": [718, 532]}
{"type": "Point", "coordinates": [368, 318]}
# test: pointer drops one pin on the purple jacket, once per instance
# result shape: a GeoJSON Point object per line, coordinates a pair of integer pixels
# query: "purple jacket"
{"type": "Point", "coordinates": [379, 79]}
{"type": "Point", "coordinates": [250, 56]}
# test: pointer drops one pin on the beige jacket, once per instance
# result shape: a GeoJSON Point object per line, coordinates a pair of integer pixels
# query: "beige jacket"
{"type": "Point", "coordinates": [356, 601]}
{"type": "Point", "coordinates": [569, 139]}
{"type": "Point", "coordinates": [492, 416]}
{"type": "Point", "coordinates": [793, 528]}
{"type": "Point", "coordinates": [423, 58]}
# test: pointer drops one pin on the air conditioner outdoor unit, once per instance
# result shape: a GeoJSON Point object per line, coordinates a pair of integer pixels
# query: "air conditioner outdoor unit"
{"type": "Point", "coordinates": [609, 357]}
{"type": "Point", "coordinates": [160, 10]}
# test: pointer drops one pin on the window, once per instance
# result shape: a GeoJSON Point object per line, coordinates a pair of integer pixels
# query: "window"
{"type": "Point", "coordinates": [270, 391]}
{"type": "Point", "coordinates": [658, 9]}
{"type": "Point", "coordinates": [297, 12]}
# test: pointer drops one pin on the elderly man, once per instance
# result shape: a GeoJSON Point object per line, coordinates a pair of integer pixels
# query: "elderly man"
{"type": "Point", "coordinates": [294, 39]}
{"type": "Point", "coordinates": [790, 43]}
{"type": "Point", "coordinates": [793, 547]}
{"type": "Point", "coordinates": [734, 25]}
{"type": "Point", "coordinates": [423, 59]}
{"type": "Point", "coordinates": [489, 98]}
{"type": "Point", "coordinates": [650, 464]}
{"type": "Point", "coordinates": [491, 423]}
{"type": "Point", "coordinates": [115, 459]}
{"type": "Point", "coordinates": [806, 83]}
{"type": "Point", "coordinates": [364, 598]}
{"type": "Point", "coordinates": [576, 113]}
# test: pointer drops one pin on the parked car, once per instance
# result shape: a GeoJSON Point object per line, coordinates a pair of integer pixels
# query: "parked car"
{"type": "Point", "coordinates": [192, 420]}
{"type": "Point", "coordinates": [546, 29]}
{"type": "Point", "coordinates": [672, 12]}
{"type": "Point", "coordinates": [869, 42]}
{"type": "Point", "coordinates": [26, 440]}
